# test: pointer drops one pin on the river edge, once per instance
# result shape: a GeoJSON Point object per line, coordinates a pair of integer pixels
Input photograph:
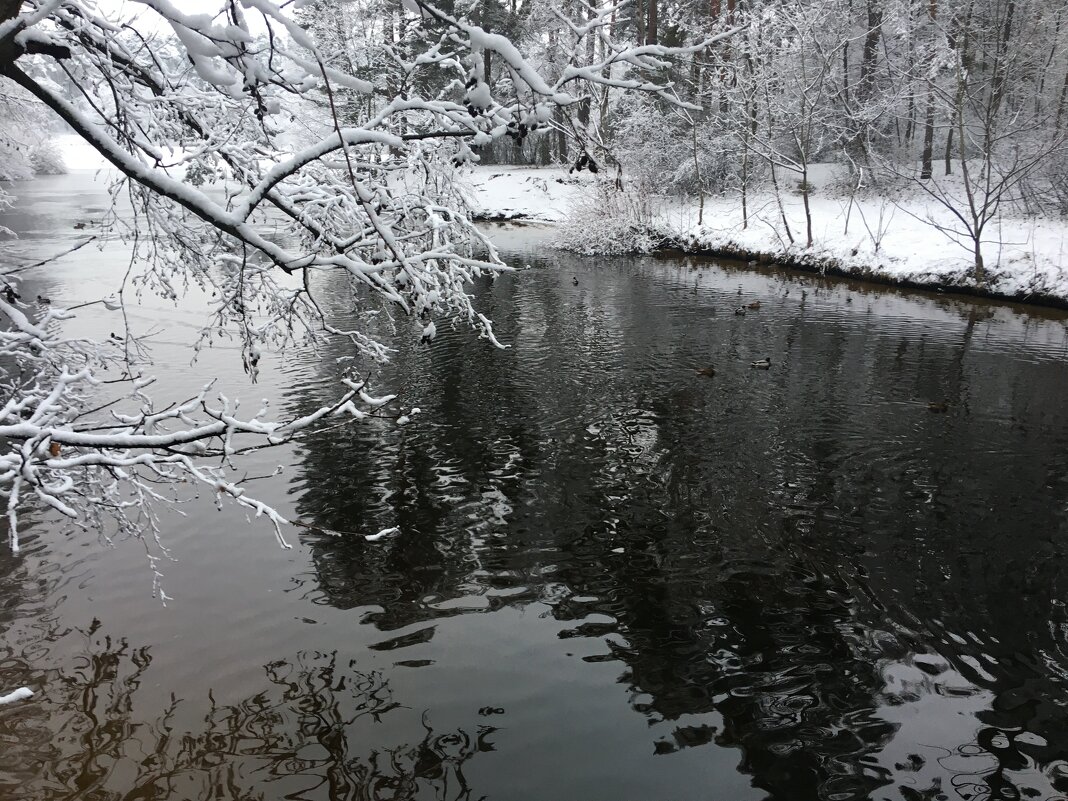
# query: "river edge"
{"type": "Point", "coordinates": [759, 261]}
{"type": "Point", "coordinates": [755, 260]}
{"type": "Point", "coordinates": [1025, 263]}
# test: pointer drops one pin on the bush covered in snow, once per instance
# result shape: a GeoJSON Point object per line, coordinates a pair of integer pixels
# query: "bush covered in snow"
{"type": "Point", "coordinates": [606, 219]}
{"type": "Point", "coordinates": [26, 147]}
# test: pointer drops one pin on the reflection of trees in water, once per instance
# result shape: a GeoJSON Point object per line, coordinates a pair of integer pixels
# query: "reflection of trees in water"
{"type": "Point", "coordinates": [759, 638]}
{"type": "Point", "coordinates": [763, 543]}
{"type": "Point", "coordinates": [310, 732]}
{"type": "Point", "coordinates": [996, 741]}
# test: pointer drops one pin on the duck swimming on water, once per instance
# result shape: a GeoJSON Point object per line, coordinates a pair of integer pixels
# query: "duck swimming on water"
{"type": "Point", "coordinates": [763, 364]}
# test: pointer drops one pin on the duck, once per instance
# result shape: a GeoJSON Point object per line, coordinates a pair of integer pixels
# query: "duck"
{"type": "Point", "coordinates": [574, 280]}
{"type": "Point", "coordinates": [938, 407]}
{"type": "Point", "coordinates": [708, 371]}
{"type": "Point", "coordinates": [763, 364]}
{"type": "Point", "coordinates": [754, 305]}
{"type": "Point", "coordinates": [740, 311]}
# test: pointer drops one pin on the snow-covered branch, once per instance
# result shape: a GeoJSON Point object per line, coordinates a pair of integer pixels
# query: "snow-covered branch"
{"type": "Point", "coordinates": [325, 165]}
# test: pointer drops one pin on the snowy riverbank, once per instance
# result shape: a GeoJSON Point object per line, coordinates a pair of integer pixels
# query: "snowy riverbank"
{"type": "Point", "coordinates": [903, 238]}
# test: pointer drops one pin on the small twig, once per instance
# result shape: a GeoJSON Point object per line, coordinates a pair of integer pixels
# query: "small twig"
{"type": "Point", "coordinates": [50, 258]}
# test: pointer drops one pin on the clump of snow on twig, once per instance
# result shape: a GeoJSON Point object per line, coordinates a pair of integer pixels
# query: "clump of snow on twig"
{"type": "Point", "coordinates": [21, 694]}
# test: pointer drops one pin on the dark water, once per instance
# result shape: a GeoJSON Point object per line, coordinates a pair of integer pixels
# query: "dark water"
{"type": "Point", "coordinates": [616, 578]}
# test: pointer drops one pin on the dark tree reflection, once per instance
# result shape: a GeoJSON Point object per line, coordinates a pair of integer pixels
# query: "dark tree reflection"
{"type": "Point", "coordinates": [310, 732]}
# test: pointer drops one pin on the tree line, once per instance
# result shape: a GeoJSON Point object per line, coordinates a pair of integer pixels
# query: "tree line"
{"type": "Point", "coordinates": [896, 91]}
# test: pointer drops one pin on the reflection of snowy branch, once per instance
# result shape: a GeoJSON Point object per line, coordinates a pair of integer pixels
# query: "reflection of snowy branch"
{"type": "Point", "coordinates": [303, 730]}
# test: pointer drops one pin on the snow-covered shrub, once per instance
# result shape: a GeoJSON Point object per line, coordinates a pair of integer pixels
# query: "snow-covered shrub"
{"type": "Point", "coordinates": [47, 159]}
{"type": "Point", "coordinates": [14, 160]}
{"type": "Point", "coordinates": [608, 220]}
{"type": "Point", "coordinates": [26, 127]}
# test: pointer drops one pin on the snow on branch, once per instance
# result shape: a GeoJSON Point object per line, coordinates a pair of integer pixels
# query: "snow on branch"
{"type": "Point", "coordinates": [320, 158]}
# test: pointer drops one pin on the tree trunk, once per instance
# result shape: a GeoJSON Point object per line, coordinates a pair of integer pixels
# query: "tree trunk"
{"type": "Point", "coordinates": [586, 102]}
{"type": "Point", "coordinates": [745, 186]}
{"type": "Point", "coordinates": [949, 152]}
{"type": "Point", "coordinates": [697, 175]}
{"type": "Point", "coordinates": [926, 169]}
{"type": "Point", "coordinates": [845, 74]}
{"type": "Point", "coordinates": [1043, 74]}
{"type": "Point", "coordinates": [1061, 103]}
{"type": "Point", "coordinates": [999, 78]}
{"type": "Point", "coordinates": [561, 136]}
{"type": "Point", "coordinates": [584, 113]}
{"type": "Point", "coordinates": [910, 119]}
{"type": "Point", "coordinates": [778, 200]}
{"type": "Point", "coordinates": [808, 209]}
{"type": "Point", "coordinates": [651, 30]}
{"type": "Point", "coordinates": [871, 50]}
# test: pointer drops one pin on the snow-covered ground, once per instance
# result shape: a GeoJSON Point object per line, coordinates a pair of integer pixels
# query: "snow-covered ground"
{"type": "Point", "coordinates": [544, 194]}
{"type": "Point", "coordinates": [888, 238]}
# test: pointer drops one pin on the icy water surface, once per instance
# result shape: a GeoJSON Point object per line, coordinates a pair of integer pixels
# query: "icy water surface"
{"type": "Point", "coordinates": [616, 578]}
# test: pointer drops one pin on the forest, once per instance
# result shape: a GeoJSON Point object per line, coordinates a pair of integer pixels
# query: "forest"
{"type": "Point", "coordinates": [961, 104]}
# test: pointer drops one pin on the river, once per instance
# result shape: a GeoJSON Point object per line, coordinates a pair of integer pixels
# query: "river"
{"type": "Point", "coordinates": [616, 578]}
